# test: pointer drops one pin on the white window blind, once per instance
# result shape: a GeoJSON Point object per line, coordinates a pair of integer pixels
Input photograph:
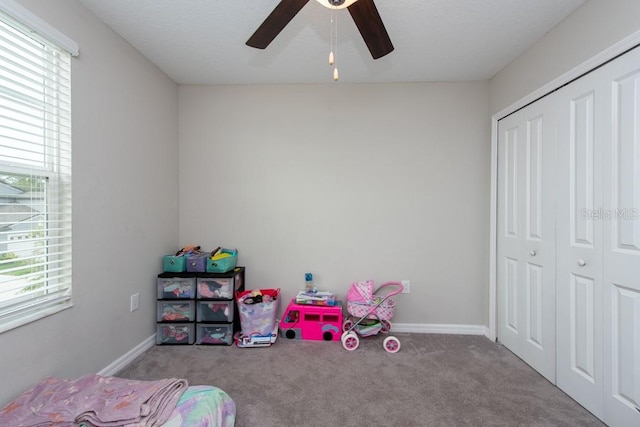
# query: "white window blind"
{"type": "Point", "coordinates": [35, 175]}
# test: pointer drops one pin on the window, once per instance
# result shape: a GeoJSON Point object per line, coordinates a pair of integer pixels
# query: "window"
{"type": "Point", "coordinates": [35, 174]}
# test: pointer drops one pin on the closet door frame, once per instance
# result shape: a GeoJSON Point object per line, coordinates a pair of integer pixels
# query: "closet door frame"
{"type": "Point", "coordinates": [608, 54]}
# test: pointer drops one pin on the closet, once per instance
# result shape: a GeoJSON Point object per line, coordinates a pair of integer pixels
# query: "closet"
{"type": "Point", "coordinates": [568, 238]}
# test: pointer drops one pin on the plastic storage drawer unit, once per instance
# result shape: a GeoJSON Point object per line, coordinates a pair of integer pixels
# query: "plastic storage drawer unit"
{"type": "Point", "coordinates": [176, 311]}
{"type": "Point", "coordinates": [214, 333]}
{"type": "Point", "coordinates": [175, 333]}
{"type": "Point", "coordinates": [215, 287]}
{"type": "Point", "coordinates": [215, 311]}
{"type": "Point", "coordinates": [174, 286]}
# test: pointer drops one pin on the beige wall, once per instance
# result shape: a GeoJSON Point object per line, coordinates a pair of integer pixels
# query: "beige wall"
{"type": "Point", "coordinates": [591, 29]}
{"type": "Point", "coordinates": [349, 182]}
{"type": "Point", "coordinates": [124, 206]}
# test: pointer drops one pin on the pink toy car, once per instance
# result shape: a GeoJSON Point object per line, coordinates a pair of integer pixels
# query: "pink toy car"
{"type": "Point", "coordinates": [311, 322]}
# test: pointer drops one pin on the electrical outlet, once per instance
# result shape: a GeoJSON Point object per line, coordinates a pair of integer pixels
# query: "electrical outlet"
{"type": "Point", "coordinates": [406, 287]}
{"type": "Point", "coordinates": [135, 302]}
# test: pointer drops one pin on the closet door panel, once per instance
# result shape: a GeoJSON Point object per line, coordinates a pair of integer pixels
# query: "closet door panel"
{"type": "Point", "coordinates": [509, 232]}
{"type": "Point", "coordinates": [534, 184]}
{"type": "Point", "coordinates": [625, 164]}
{"type": "Point", "coordinates": [526, 241]}
{"type": "Point", "coordinates": [539, 240]}
{"type": "Point", "coordinates": [581, 323]}
{"type": "Point", "coordinates": [624, 369]}
{"type": "Point", "coordinates": [511, 301]}
{"type": "Point", "coordinates": [512, 168]}
{"type": "Point", "coordinates": [581, 167]}
{"type": "Point", "coordinates": [621, 219]}
{"type": "Point", "coordinates": [535, 305]}
{"type": "Point", "coordinates": [579, 243]}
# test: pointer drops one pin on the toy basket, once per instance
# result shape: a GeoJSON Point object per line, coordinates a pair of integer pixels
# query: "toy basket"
{"type": "Point", "coordinates": [223, 265]}
{"type": "Point", "coordinates": [362, 302]}
{"type": "Point", "coordinates": [197, 263]}
{"type": "Point", "coordinates": [174, 264]}
{"type": "Point", "coordinates": [257, 310]}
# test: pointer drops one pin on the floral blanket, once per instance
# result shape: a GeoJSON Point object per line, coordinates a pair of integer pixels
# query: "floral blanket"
{"type": "Point", "coordinates": [203, 406]}
{"type": "Point", "coordinates": [94, 400]}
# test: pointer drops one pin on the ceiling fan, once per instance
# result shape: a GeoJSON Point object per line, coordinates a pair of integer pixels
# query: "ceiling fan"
{"type": "Point", "coordinates": [364, 14]}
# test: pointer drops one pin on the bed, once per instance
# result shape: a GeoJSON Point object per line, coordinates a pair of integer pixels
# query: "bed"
{"type": "Point", "coordinates": [100, 401]}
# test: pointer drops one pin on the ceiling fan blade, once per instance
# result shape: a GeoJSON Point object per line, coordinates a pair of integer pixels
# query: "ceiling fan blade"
{"type": "Point", "coordinates": [367, 19]}
{"type": "Point", "coordinates": [275, 22]}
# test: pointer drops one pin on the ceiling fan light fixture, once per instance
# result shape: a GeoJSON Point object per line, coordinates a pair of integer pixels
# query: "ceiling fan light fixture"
{"type": "Point", "coordinates": [363, 12]}
{"type": "Point", "coordinates": [336, 4]}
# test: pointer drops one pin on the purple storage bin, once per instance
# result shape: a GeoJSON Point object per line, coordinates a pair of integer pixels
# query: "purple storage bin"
{"type": "Point", "coordinates": [197, 263]}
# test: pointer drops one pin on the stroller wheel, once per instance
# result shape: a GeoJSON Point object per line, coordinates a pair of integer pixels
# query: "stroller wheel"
{"type": "Point", "coordinates": [347, 324]}
{"type": "Point", "coordinates": [391, 344]}
{"type": "Point", "coordinates": [350, 340]}
{"type": "Point", "coordinates": [386, 326]}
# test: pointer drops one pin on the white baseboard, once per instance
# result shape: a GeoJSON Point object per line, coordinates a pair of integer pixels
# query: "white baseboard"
{"type": "Point", "coordinates": [129, 356]}
{"type": "Point", "coordinates": [423, 328]}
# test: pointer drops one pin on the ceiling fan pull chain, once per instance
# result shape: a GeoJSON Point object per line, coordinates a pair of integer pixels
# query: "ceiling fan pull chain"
{"type": "Point", "coordinates": [334, 19]}
{"type": "Point", "coordinates": [331, 57]}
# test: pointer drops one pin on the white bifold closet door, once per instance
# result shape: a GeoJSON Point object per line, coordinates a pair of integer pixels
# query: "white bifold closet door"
{"type": "Point", "coordinates": [591, 212]}
{"type": "Point", "coordinates": [526, 236]}
{"type": "Point", "coordinates": [598, 235]}
{"type": "Point", "coordinates": [621, 244]}
{"type": "Point", "coordinates": [581, 145]}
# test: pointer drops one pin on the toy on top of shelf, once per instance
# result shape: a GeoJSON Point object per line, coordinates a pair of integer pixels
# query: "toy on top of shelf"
{"type": "Point", "coordinates": [189, 250]}
{"type": "Point", "coordinates": [315, 298]}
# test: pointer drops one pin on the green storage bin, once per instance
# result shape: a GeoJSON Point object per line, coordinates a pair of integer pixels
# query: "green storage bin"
{"type": "Point", "coordinates": [174, 264]}
{"type": "Point", "coordinates": [224, 264]}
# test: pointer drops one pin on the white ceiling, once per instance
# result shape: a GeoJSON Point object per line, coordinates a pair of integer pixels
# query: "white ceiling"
{"type": "Point", "coordinates": [203, 41]}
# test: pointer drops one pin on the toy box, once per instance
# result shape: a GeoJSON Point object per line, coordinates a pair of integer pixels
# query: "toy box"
{"type": "Point", "coordinates": [312, 322]}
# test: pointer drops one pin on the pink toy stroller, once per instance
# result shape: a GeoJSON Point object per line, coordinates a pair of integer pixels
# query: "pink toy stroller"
{"type": "Point", "coordinates": [370, 312]}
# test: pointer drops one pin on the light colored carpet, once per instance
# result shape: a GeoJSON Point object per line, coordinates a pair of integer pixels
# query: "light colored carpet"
{"type": "Point", "coordinates": [435, 380]}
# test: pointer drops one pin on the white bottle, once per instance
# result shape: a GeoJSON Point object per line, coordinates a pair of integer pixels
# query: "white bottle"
{"type": "Point", "coordinates": [308, 282]}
